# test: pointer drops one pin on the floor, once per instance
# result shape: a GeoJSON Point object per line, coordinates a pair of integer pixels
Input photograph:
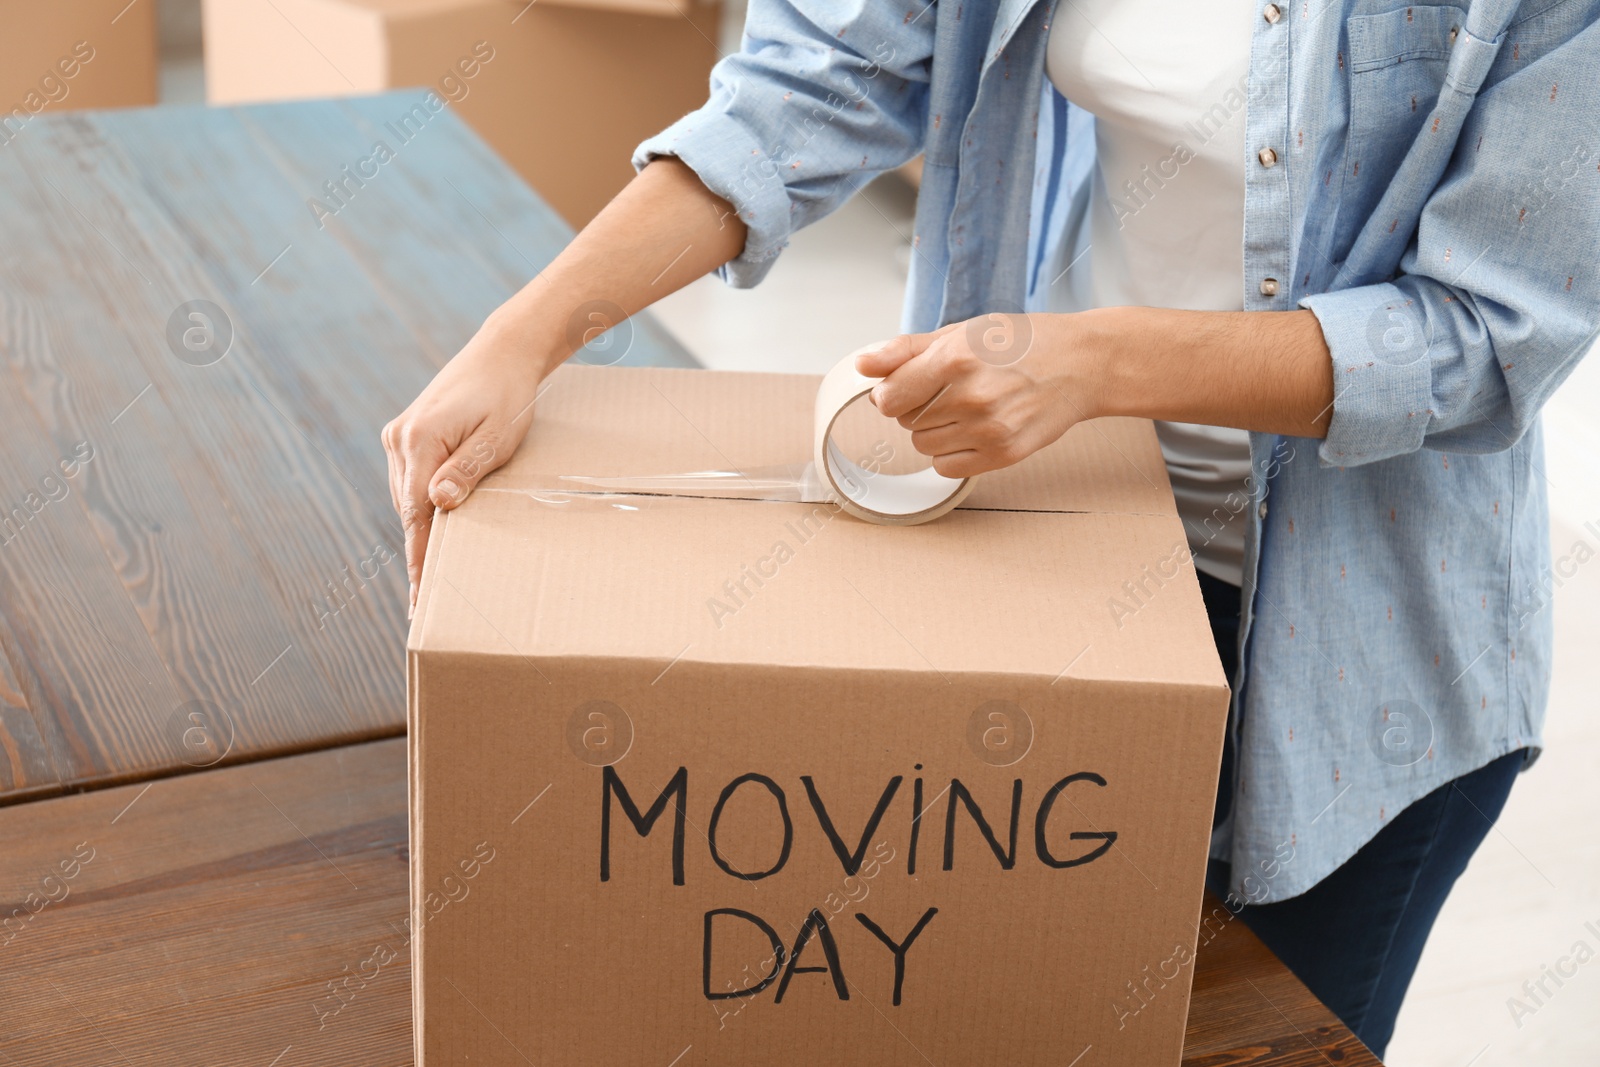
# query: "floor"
{"type": "Point", "coordinates": [1528, 908]}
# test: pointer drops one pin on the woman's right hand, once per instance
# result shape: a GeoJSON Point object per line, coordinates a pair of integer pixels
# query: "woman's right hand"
{"type": "Point", "coordinates": [468, 421]}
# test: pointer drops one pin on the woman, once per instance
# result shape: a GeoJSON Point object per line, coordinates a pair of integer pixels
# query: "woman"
{"type": "Point", "coordinates": [1341, 251]}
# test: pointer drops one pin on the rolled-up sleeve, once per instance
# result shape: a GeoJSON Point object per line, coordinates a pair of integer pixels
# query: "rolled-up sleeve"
{"type": "Point", "coordinates": [1498, 295]}
{"type": "Point", "coordinates": [821, 98]}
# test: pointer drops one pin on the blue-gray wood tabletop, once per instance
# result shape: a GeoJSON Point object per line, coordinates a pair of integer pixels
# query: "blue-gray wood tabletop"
{"type": "Point", "coordinates": [201, 340]}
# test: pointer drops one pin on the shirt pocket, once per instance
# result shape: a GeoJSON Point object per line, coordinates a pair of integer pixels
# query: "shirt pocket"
{"type": "Point", "coordinates": [1397, 68]}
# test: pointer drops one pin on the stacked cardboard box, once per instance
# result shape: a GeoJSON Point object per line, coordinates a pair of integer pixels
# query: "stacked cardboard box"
{"type": "Point", "coordinates": [56, 57]}
{"type": "Point", "coordinates": [563, 92]}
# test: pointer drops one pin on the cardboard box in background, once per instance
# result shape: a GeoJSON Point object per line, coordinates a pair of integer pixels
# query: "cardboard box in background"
{"type": "Point", "coordinates": [562, 92]}
{"type": "Point", "coordinates": [743, 781]}
{"type": "Point", "coordinates": [63, 56]}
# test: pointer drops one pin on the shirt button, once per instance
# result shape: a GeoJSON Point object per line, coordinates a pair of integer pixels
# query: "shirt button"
{"type": "Point", "coordinates": [1268, 157]}
{"type": "Point", "coordinates": [1271, 13]}
{"type": "Point", "coordinates": [1269, 287]}
{"type": "Point", "coordinates": [1261, 511]}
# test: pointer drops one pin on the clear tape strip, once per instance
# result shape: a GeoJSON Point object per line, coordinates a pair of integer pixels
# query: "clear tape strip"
{"type": "Point", "coordinates": [797, 483]}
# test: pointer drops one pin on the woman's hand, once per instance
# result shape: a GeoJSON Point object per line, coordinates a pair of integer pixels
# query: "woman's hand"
{"type": "Point", "coordinates": [468, 421]}
{"type": "Point", "coordinates": [664, 230]}
{"type": "Point", "coordinates": [991, 391]}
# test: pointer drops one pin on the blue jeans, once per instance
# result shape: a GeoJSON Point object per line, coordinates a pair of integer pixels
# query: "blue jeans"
{"type": "Point", "coordinates": [1355, 937]}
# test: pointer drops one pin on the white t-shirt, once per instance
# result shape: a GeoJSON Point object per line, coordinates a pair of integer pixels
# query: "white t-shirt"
{"type": "Point", "coordinates": [1165, 221]}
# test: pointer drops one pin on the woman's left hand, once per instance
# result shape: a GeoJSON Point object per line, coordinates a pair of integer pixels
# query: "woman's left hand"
{"type": "Point", "coordinates": [989, 392]}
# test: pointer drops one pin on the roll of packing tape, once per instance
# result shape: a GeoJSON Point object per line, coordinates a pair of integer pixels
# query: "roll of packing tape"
{"type": "Point", "coordinates": [886, 499]}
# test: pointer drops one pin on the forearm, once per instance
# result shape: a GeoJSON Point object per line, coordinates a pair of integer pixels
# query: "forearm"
{"type": "Point", "coordinates": [1254, 370]}
{"type": "Point", "coordinates": [664, 230]}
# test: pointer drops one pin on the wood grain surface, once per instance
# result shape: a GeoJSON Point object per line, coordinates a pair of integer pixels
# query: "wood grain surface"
{"type": "Point", "coordinates": [1248, 1010]}
{"type": "Point", "coordinates": [197, 549]}
{"type": "Point", "coordinates": [254, 915]}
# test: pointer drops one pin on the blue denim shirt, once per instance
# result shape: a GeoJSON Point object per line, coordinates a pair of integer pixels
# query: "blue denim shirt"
{"type": "Point", "coordinates": [1434, 200]}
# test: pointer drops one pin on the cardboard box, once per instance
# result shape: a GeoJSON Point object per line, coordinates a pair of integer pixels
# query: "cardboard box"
{"type": "Point", "coordinates": [562, 92]}
{"type": "Point", "coordinates": [58, 57]}
{"type": "Point", "coordinates": [744, 781]}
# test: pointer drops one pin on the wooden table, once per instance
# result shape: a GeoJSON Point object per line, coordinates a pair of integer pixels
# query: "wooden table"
{"type": "Point", "coordinates": [199, 634]}
{"type": "Point", "coordinates": [255, 915]}
{"type": "Point", "coordinates": [198, 551]}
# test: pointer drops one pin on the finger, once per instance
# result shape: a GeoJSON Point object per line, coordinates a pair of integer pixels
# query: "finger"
{"type": "Point", "coordinates": [882, 358]}
{"type": "Point", "coordinates": [945, 440]}
{"type": "Point", "coordinates": [920, 383]}
{"type": "Point", "coordinates": [393, 460]}
{"type": "Point", "coordinates": [940, 410]}
{"type": "Point", "coordinates": [459, 475]}
{"type": "Point", "coordinates": [420, 460]}
{"type": "Point", "coordinates": [418, 524]}
{"type": "Point", "coordinates": [967, 464]}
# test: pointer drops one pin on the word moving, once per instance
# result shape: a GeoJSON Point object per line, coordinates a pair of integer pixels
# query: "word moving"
{"type": "Point", "coordinates": [961, 809]}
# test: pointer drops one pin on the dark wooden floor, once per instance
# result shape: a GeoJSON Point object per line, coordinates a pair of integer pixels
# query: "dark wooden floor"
{"type": "Point", "coordinates": [201, 625]}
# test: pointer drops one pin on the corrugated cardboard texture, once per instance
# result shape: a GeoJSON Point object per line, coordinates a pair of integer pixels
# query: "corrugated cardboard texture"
{"type": "Point", "coordinates": [952, 674]}
{"type": "Point", "coordinates": [1017, 580]}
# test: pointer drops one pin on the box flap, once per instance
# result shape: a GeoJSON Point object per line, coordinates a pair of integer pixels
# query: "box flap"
{"type": "Point", "coordinates": [598, 422]}
{"type": "Point", "coordinates": [1072, 563]}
